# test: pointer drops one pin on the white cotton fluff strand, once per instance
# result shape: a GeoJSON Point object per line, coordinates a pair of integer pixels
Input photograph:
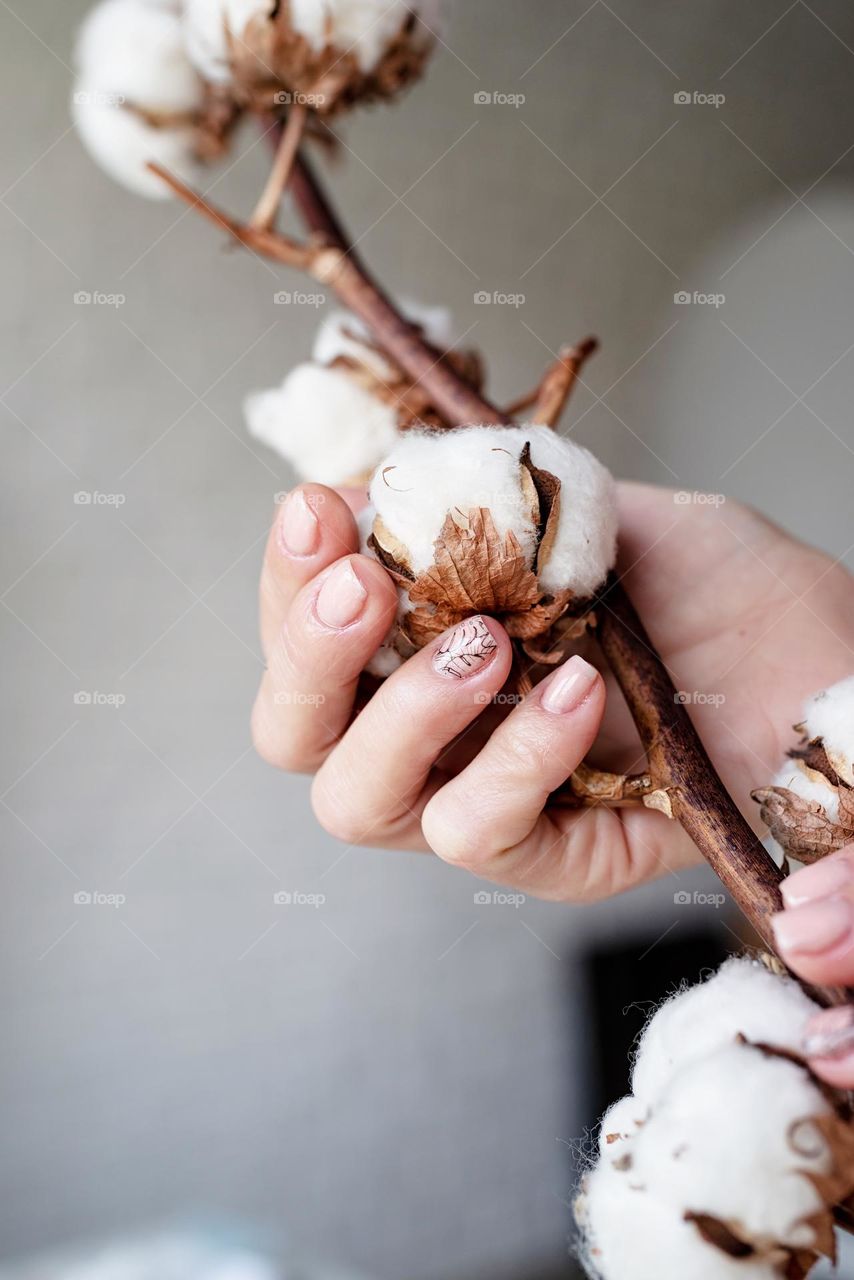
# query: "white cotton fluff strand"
{"type": "Point", "coordinates": [136, 93]}
{"type": "Point", "coordinates": [324, 418]}
{"type": "Point", "coordinates": [711, 1168]}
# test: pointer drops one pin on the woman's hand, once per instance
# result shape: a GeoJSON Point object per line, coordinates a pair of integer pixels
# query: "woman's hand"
{"type": "Point", "coordinates": [748, 621]}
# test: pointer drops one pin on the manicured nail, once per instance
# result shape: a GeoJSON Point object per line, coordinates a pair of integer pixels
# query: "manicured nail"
{"type": "Point", "coordinates": [299, 532]}
{"type": "Point", "coordinates": [569, 686]}
{"type": "Point", "coordinates": [341, 598]}
{"type": "Point", "coordinates": [830, 1034]}
{"type": "Point", "coordinates": [466, 650]}
{"type": "Point", "coordinates": [823, 878]}
{"type": "Point", "coordinates": [813, 928]}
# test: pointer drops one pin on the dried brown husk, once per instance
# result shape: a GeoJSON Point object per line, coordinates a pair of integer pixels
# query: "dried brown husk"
{"type": "Point", "coordinates": [272, 64]}
{"type": "Point", "coordinates": [804, 828]}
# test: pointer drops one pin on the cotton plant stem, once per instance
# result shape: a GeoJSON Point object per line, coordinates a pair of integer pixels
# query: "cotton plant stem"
{"type": "Point", "coordinates": [290, 137]}
{"type": "Point", "coordinates": [678, 762]}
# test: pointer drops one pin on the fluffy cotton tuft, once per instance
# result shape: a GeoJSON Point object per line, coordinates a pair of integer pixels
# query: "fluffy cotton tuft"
{"type": "Point", "coordinates": [132, 64]}
{"type": "Point", "coordinates": [207, 24]}
{"type": "Point", "coordinates": [809, 784]}
{"type": "Point", "coordinates": [742, 998]}
{"type": "Point", "coordinates": [716, 1127]}
{"type": "Point", "coordinates": [363, 27]}
{"type": "Point", "coordinates": [829, 715]}
{"type": "Point", "coordinates": [326, 425]}
{"type": "Point", "coordinates": [429, 475]}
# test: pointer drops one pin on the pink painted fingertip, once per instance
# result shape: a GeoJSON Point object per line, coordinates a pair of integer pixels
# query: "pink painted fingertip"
{"type": "Point", "coordinates": [830, 1034]}
{"type": "Point", "coordinates": [298, 529]}
{"type": "Point", "coordinates": [341, 598]}
{"type": "Point", "coordinates": [466, 650]}
{"type": "Point", "coordinates": [567, 688]}
{"type": "Point", "coordinates": [814, 928]}
{"type": "Point", "coordinates": [823, 878]}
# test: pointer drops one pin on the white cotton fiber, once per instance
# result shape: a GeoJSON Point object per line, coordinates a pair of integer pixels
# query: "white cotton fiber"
{"type": "Point", "coordinates": [829, 715]}
{"type": "Point", "coordinates": [123, 145]}
{"type": "Point", "coordinates": [809, 784]}
{"type": "Point", "coordinates": [429, 474]}
{"type": "Point", "coordinates": [742, 998]}
{"type": "Point", "coordinates": [327, 426]}
{"type": "Point", "coordinates": [364, 27]}
{"type": "Point", "coordinates": [629, 1235]}
{"type": "Point", "coordinates": [621, 1122]}
{"type": "Point", "coordinates": [133, 50]}
{"type": "Point", "coordinates": [131, 60]}
{"type": "Point", "coordinates": [731, 1137]}
{"type": "Point", "coordinates": [207, 25]}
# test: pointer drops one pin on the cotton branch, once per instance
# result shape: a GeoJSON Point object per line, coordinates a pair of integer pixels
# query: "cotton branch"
{"type": "Point", "coordinates": [679, 767]}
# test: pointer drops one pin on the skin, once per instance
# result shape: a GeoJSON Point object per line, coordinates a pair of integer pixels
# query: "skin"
{"type": "Point", "coordinates": [748, 620]}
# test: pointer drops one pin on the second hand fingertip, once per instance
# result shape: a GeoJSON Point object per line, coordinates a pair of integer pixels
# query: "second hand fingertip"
{"type": "Point", "coordinates": [569, 686]}
{"type": "Point", "coordinates": [830, 1034]}
{"type": "Point", "coordinates": [466, 649]}
{"type": "Point", "coordinates": [298, 528]}
{"type": "Point", "coordinates": [341, 598]}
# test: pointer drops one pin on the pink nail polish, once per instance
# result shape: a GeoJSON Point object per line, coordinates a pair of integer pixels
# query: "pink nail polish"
{"type": "Point", "coordinates": [830, 1034]}
{"type": "Point", "coordinates": [341, 598]}
{"type": "Point", "coordinates": [466, 650]}
{"type": "Point", "coordinates": [569, 686]}
{"type": "Point", "coordinates": [830, 875]}
{"type": "Point", "coordinates": [813, 928]}
{"type": "Point", "coordinates": [299, 532]}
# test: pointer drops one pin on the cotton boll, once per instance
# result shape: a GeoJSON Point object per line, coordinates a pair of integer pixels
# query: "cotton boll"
{"type": "Point", "coordinates": [630, 1235]}
{"type": "Point", "coordinates": [329, 427]}
{"type": "Point", "coordinates": [428, 475]}
{"type": "Point", "coordinates": [133, 50]}
{"type": "Point", "coordinates": [742, 998]}
{"type": "Point", "coordinates": [829, 715]}
{"type": "Point", "coordinates": [123, 144]}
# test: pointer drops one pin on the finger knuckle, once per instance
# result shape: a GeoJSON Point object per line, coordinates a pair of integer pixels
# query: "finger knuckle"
{"type": "Point", "coordinates": [278, 749]}
{"type": "Point", "coordinates": [335, 816]}
{"type": "Point", "coordinates": [450, 838]}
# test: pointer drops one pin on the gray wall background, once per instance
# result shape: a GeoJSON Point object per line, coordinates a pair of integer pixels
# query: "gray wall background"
{"type": "Point", "coordinates": [395, 1079]}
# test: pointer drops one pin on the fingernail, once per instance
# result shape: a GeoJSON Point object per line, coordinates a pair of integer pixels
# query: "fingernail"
{"type": "Point", "coordinates": [823, 878]}
{"type": "Point", "coordinates": [569, 686]}
{"type": "Point", "coordinates": [341, 598]}
{"type": "Point", "coordinates": [813, 928]}
{"type": "Point", "coordinates": [830, 1034]}
{"type": "Point", "coordinates": [299, 532]}
{"type": "Point", "coordinates": [466, 650]}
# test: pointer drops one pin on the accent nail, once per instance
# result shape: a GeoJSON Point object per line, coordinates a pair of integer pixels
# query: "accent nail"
{"type": "Point", "coordinates": [830, 1034]}
{"type": "Point", "coordinates": [569, 686]}
{"type": "Point", "coordinates": [823, 878]}
{"type": "Point", "coordinates": [466, 650]}
{"type": "Point", "coordinates": [299, 532]}
{"type": "Point", "coordinates": [341, 598]}
{"type": "Point", "coordinates": [813, 928]}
